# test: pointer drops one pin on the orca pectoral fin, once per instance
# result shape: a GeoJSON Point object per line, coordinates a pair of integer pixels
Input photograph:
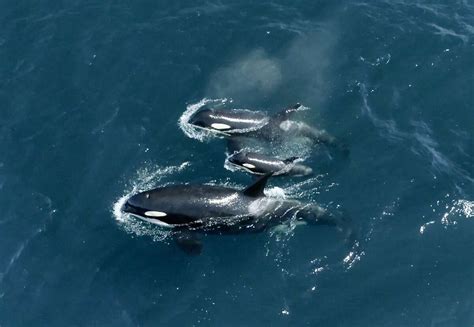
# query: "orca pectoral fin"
{"type": "Point", "coordinates": [189, 243]}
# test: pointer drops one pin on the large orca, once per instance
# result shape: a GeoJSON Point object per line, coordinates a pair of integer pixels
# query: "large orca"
{"type": "Point", "coordinates": [257, 124]}
{"type": "Point", "coordinates": [215, 209]}
{"type": "Point", "coordinates": [261, 164]}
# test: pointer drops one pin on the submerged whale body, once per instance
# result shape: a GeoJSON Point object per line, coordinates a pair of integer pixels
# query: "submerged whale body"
{"type": "Point", "coordinates": [215, 209]}
{"type": "Point", "coordinates": [260, 164]}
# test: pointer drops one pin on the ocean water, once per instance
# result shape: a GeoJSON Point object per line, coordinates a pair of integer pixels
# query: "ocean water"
{"type": "Point", "coordinates": [92, 101]}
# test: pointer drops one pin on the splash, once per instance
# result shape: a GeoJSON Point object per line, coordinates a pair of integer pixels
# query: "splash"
{"type": "Point", "coordinates": [457, 210]}
{"type": "Point", "coordinates": [354, 256]}
{"type": "Point", "coordinates": [276, 192]}
{"type": "Point", "coordinates": [383, 60]}
{"type": "Point", "coordinates": [460, 208]}
{"type": "Point", "coordinates": [425, 225]}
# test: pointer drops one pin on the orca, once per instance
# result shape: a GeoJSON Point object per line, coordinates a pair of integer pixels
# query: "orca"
{"type": "Point", "coordinates": [257, 124]}
{"type": "Point", "coordinates": [260, 164]}
{"type": "Point", "coordinates": [188, 209]}
{"type": "Point", "coordinates": [228, 122]}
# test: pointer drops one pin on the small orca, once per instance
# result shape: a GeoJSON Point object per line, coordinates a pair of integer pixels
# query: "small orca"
{"type": "Point", "coordinates": [260, 164]}
{"type": "Point", "coordinates": [215, 209]}
{"type": "Point", "coordinates": [257, 124]}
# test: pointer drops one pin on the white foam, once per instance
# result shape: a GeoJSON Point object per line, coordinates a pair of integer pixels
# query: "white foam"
{"type": "Point", "coordinates": [286, 125]}
{"type": "Point", "coordinates": [275, 192]}
{"type": "Point", "coordinates": [352, 258]}
{"type": "Point", "coordinates": [119, 215]}
{"type": "Point", "coordinates": [459, 208]}
{"type": "Point", "coordinates": [467, 208]}
{"type": "Point", "coordinates": [425, 225]}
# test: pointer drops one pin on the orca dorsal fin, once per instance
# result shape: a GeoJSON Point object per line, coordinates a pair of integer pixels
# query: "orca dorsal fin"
{"type": "Point", "coordinates": [294, 107]}
{"type": "Point", "coordinates": [286, 113]}
{"type": "Point", "coordinates": [291, 159]}
{"type": "Point", "coordinates": [255, 190]}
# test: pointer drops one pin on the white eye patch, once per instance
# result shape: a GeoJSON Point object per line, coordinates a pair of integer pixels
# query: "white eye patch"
{"type": "Point", "coordinates": [249, 166]}
{"type": "Point", "coordinates": [155, 214]}
{"type": "Point", "coordinates": [220, 126]}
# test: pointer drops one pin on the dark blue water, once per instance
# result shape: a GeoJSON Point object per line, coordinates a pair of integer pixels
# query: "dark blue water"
{"type": "Point", "coordinates": [90, 98]}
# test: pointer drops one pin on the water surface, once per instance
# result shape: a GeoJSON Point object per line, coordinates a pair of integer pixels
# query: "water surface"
{"type": "Point", "coordinates": [91, 95]}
